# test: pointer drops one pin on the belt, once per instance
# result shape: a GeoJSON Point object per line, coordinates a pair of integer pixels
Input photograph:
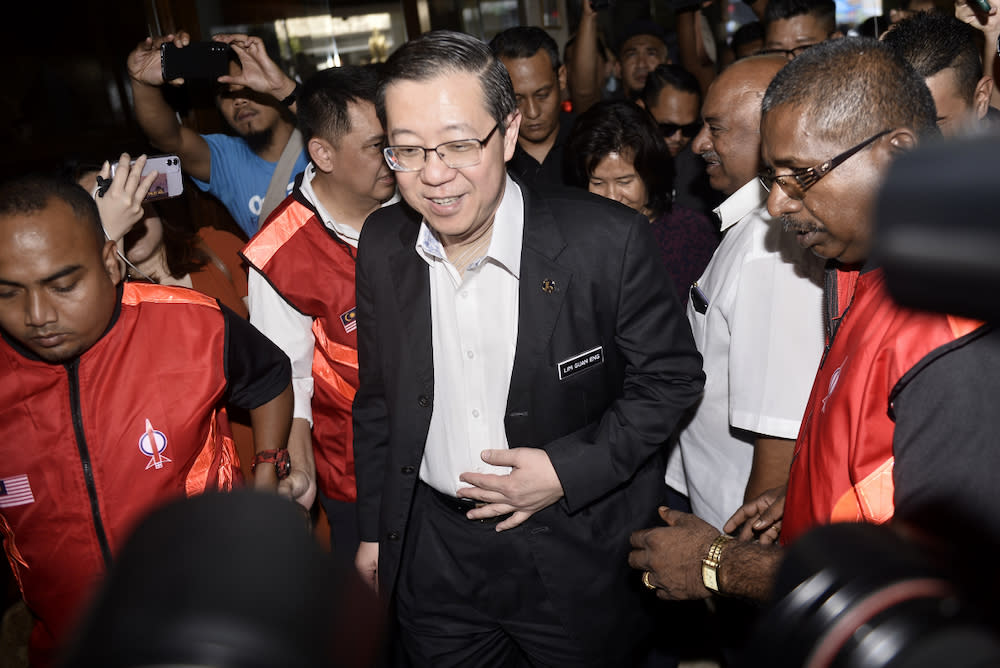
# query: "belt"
{"type": "Point", "coordinates": [463, 506]}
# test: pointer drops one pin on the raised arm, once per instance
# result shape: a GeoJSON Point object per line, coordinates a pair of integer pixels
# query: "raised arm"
{"type": "Point", "coordinates": [585, 68]}
{"type": "Point", "coordinates": [258, 72]}
{"type": "Point", "coordinates": [158, 121]}
{"type": "Point", "coordinates": [989, 25]}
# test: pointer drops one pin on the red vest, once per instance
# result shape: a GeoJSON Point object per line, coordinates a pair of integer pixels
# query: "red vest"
{"type": "Point", "coordinates": [314, 272]}
{"type": "Point", "coordinates": [91, 446]}
{"type": "Point", "coordinates": [842, 468]}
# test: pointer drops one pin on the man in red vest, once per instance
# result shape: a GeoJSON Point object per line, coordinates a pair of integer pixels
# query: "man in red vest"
{"type": "Point", "coordinates": [302, 290]}
{"type": "Point", "coordinates": [827, 148]}
{"type": "Point", "coordinates": [111, 400]}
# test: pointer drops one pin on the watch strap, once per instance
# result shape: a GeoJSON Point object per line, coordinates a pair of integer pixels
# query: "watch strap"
{"type": "Point", "coordinates": [280, 458]}
{"type": "Point", "coordinates": [710, 564]}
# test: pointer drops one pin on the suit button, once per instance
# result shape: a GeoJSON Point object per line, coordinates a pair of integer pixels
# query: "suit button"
{"type": "Point", "coordinates": [408, 470]}
{"type": "Point", "coordinates": [393, 535]}
{"type": "Point", "coordinates": [424, 401]}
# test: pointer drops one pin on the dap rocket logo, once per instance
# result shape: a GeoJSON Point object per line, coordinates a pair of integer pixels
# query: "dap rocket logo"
{"type": "Point", "coordinates": [152, 444]}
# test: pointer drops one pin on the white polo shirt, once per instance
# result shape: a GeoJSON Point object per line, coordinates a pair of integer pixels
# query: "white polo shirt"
{"type": "Point", "coordinates": [761, 337]}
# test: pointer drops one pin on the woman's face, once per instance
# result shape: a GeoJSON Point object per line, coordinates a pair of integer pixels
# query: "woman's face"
{"type": "Point", "coordinates": [145, 238]}
{"type": "Point", "coordinates": [615, 177]}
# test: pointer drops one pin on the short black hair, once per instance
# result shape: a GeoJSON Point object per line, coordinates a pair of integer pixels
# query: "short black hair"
{"type": "Point", "coordinates": [442, 52]}
{"type": "Point", "coordinates": [824, 11]}
{"type": "Point", "coordinates": [30, 194]}
{"type": "Point", "coordinates": [852, 88]}
{"type": "Point", "coordinates": [620, 126]}
{"type": "Point", "coordinates": [935, 41]}
{"type": "Point", "coordinates": [747, 33]}
{"type": "Point", "coordinates": [671, 75]}
{"type": "Point", "coordinates": [323, 101]}
{"type": "Point", "coordinates": [525, 42]}
{"type": "Point", "coordinates": [641, 26]}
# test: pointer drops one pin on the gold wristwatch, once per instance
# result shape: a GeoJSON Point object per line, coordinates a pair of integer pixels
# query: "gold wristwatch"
{"type": "Point", "coordinates": [710, 564]}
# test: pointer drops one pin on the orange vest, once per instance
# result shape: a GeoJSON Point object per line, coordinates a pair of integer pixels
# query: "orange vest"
{"type": "Point", "coordinates": [842, 467]}
{"type": "Point", "coordinates": [90, 446]}
{"type": "Point", "coordinates": [313, 270]}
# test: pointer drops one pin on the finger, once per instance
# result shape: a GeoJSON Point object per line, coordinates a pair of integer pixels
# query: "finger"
{"type": "Point", "coordinates": [746, 530]}
{"type": "Point", "coordinates": [770, 536]}
{"type": "Point", "coordinates": [285, 489]}
{"type": "Point", "coordinates": [135, 174]}
{"type": "Point", "coordinates": [638, 559]}
{"type": "Point", "coordinates": [485, 496]}
{"type": "Point", "coordinates": [145, 185]}
{"type": "Point", "coordinates": [514, 520]}
{"type": "Point", "coordinates": [121, 172]}
{"type": "Point", "coordinates": [105, 170]}
{"type": "Point", "coordinates": [484, 481]}
{"type": "Point", "coordinates": [771, 514]}
{"type": "Point", "coordinates": [672, 517]}
{"type": "Point", "coordinates": [638, 538]}
{"type": "Point", "coordinates": [500, 457]}
{"type": "Point", "coordinates": [662, 511]}
{"type": "Point", "coordinates": [738, 519]}
{"type": "Point", "coordinates": [490, 510]}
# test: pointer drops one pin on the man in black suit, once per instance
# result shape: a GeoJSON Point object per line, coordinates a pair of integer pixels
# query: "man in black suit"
{"type": "Point", "coordinates": [522, 363]}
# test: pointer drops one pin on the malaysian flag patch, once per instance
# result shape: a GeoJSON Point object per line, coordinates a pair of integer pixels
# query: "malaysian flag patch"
{"type": "Point", "coordinates": [349, 320]}
{"type": "Point", "coordinates": [15, 491]}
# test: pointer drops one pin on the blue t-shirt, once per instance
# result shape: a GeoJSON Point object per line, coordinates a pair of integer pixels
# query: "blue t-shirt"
{"type": "Point", "coordinates": [240, 177]}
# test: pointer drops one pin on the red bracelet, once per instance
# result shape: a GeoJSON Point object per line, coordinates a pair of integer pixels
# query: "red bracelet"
{"type": "Point", "coordinates": [282, 462]}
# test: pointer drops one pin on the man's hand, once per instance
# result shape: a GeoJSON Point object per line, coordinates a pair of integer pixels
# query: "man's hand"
{"type": "Point", "coordinates": [673, 554]}
{"type": "Point", "coordinates": [366, 563]}
{"type": "Point", "coordinates": [989, 24]}
{"type": "Point", "coordinates": [300, 485]}
{"type": "Point", "coordinates": [259, 72]}
{"type": "Point", "coordinates": [120, 205]}
{"type": "Point", "coordinates": [760, 517]}
{"type": "Point", "coordinates": [529, 487]}
{"type": "Point", "coordinates": [143, 63]}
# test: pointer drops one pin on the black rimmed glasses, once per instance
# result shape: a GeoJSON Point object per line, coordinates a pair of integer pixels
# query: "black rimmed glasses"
{"type": "Point", "coordinates": [799, 181]}
{"type": "Point", "coordinates": [790, 54]}
{"type": "Point", "coordinates": [689, 130]}
{"type": "Point", "coordinates": [454, 154]}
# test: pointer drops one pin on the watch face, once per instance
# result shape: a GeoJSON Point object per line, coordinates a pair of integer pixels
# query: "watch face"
{"type": "Point", "coordinates": [709, 577]}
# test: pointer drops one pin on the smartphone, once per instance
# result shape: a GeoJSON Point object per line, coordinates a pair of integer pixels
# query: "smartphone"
{"type": "Point", "coordinates": [982, 5]}
{"type": "Point", "coordinates": [197, 60]}
{"type": "Point", "coordinates": [168, 182]}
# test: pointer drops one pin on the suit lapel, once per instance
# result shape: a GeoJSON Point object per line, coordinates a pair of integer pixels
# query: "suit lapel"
{"type": "Point", "coordinates": [541, 291]}
{"type": "Point", "coordinates": [411, 283]}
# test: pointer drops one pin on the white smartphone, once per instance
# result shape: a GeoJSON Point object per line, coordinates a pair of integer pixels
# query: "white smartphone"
{"type": "Point", "coordinates": [168, 182]}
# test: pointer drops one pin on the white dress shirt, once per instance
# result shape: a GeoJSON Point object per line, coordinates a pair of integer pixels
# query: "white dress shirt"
{"type": "Point", "coordinates": [289, 329]}
{"type": "Point", "coordinates": [761, 338]}
{"type": "Point", "coordinates": [474, 334]}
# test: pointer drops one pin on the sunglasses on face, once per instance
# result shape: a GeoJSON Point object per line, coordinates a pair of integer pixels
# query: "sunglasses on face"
{"type": "Point", "coordinates": [689, 130]}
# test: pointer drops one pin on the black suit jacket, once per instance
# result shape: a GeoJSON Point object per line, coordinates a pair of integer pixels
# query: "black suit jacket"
{"type": "Point", "coordinates": [603, 423]}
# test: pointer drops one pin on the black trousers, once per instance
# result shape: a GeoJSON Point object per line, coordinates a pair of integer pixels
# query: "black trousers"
{"type": "Point", "coordinates": [468, 595]}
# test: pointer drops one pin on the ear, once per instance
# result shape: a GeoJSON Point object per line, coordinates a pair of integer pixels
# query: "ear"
{"type": "Point", "coordinates": [321, 153]}
{"type": "Point", "coordinates": [110, 259]}
{"type": "Point", "coordinates": [901, 140]}
{"type": "Point", "coordinates": [510, 135]}
{"type": "Point", "coordinates": [981, 98]}
{"type": "Point", "coordinates": [561, 77]}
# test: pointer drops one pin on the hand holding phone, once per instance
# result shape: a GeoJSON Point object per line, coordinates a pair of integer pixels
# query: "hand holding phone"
{"type": "Point", "coordinates": [168, 181]}
{"type": "Point", "coordinates": [197, 60]}
{"type": "Point", "coordinates": [981, 5]}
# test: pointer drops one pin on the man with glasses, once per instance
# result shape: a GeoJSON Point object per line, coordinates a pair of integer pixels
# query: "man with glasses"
{"type": "Point", "coordinates": [522, 361]}
{"type": "Point", "coordinates": [531, 57]}
{"type": "Point", "coordinates": [792, 26]}
{"type": "Point", "coordinates": [826, 148]}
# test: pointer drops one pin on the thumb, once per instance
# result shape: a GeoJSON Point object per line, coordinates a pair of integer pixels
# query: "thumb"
{"type": "Point", "coordinates": [499, 457]}
{"type": "Point", "coordinates": [663, 510]}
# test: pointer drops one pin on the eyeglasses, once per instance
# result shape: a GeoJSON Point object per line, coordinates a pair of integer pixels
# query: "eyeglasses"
{"type": "Point", "coordinates": [689, 130]}
{"type": "Point", "coordinates": [790, 54]}
{"type": "Point", "coordinates": [455, 154]}
{"type": "Point", "coordinates": [799, 181]}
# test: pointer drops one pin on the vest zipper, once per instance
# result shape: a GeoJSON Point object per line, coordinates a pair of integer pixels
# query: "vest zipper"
{"type": "Point", "coordinates": [72, 369]}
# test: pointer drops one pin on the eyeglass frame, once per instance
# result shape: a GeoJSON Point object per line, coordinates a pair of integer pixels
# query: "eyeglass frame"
{"type": "Point", "coordinates": [790, 54]}
{"type": "Point", "coordinates": [398, 166]}
{"type": "Point", "coordinates": [679, 126]}
{"type": "Point", "coordinates": [807, 177]}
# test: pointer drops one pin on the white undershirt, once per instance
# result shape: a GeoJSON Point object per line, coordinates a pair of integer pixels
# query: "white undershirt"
{"type": "Point", "coordinates": [474, 334]}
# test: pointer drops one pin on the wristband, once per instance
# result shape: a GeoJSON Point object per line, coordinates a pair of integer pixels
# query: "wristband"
{"type": "Point", "coordinates": [280, 459]}
{"type": "Point", "coordinates": [293, 96]}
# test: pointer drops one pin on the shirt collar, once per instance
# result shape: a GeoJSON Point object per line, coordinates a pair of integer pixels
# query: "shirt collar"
{"type": "Point", "coordinates": [345, 232]}
{"type": "Point", "coordinates": [736, 207]}
{"type": "Point", "coordinates": [505, 243]}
